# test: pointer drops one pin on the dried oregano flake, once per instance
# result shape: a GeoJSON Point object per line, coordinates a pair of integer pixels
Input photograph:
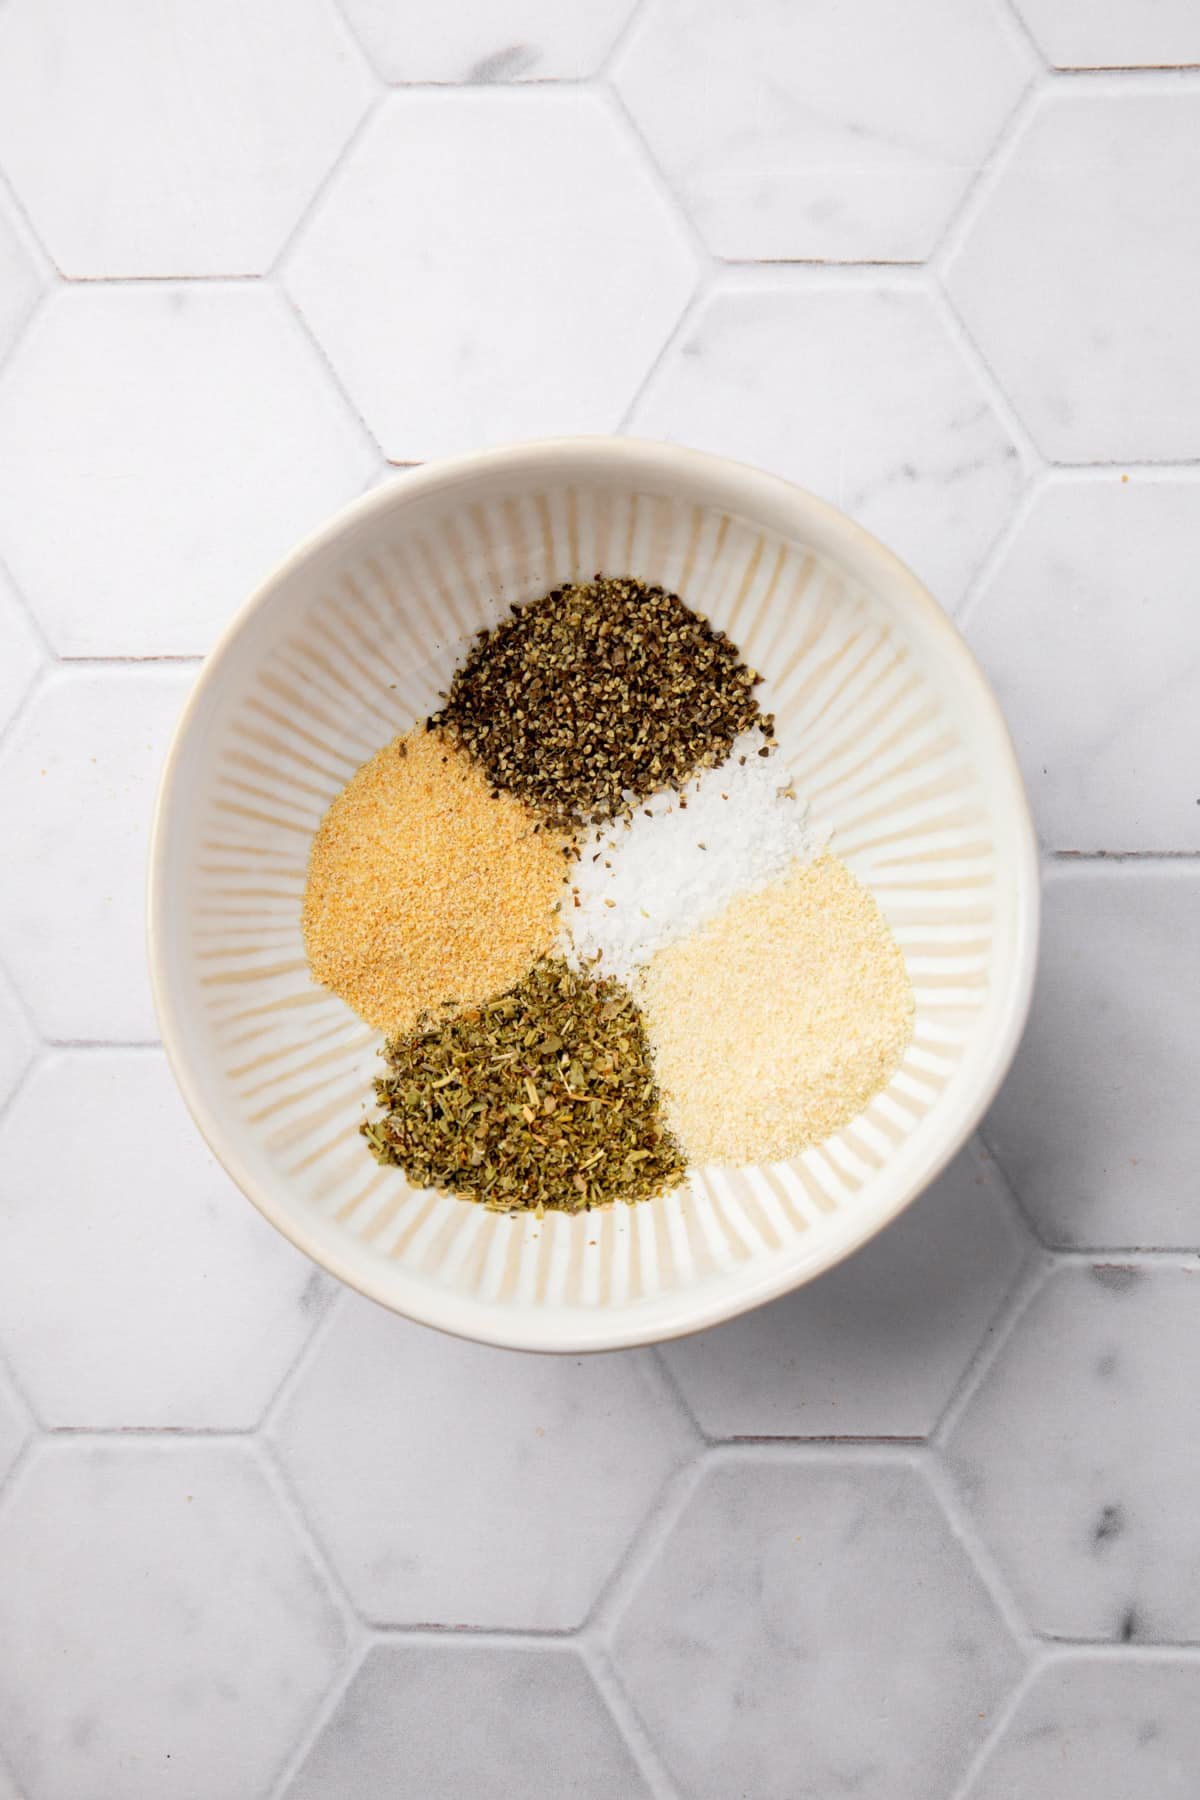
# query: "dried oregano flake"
{"type": "Point", "coordinates": [543, 1098]}
{"type": "Point", "coordinates": [597, 695]}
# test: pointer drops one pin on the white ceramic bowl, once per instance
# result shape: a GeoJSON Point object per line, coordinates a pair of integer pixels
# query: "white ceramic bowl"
{"type": "Point", "coordinates": [882, 714]}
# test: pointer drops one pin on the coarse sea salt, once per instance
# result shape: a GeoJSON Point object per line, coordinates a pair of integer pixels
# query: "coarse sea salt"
{"type": "Point", "coordinates": [644, 883]}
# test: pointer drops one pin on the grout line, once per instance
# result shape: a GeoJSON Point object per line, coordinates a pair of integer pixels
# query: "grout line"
{"type": "Point", "coordinates": [1119, 1256]}
{"type": "Point", "coordinates": [1127, 76]}
{"type": "Point", "coordinates": [682, 1404]}
{"type": "Point", "coordinates": [998, 1729]}
{"type": "Point", "coordinates": [1064, 1649]}
{"type": "Point", "coordinates": [1032, 460]}
{"type": "Point", "coordinates": [45, 647]}
{"type": "Point", "coordinates": [329, 1290]}
{"type": "Point", "coordinates": [314, 1728]}
{"type": "Point", "coordinates": [988, 175]}
{"type": "Point", "coordinates": [25, 1455]}
{"type": "Point", "coordinates": [206, 278]}
{"type": "Point", "coordinates": [611, 98]}
{"type": "Point", "coordinates": [1020, 29]}
{"type": "Point", "coordinates": [42, 679]}
{"type": "Point", "coordinates": [1063, 859]}
{"type": "Point", "coordinates": [638, 1740]}
{"type": "Point", "coordinates": [206, 1434]}
{"type": "Point", "coordinates": [277, 1404]}
{"type": "Point", "coordinates": [623, 40]}
{"type": "Point", "coordinates": [692, 309]}
{"type": "Point", "coordinates": [998, 551]}
{"type": "Point", "coordinates": [978, 1553]}
{"type": "Point", "coordinates": [999, 1174]}
{"type": "Point", "coordinates": [1030, 1281]}
{"type": "Point", "coordinates": [332, 372]}
{"type": "Point", "coordinates": [9, 1103]}
{"type": "Point", "coordinates": [276, 270]}
{"type": "Point", "coordinates": [545, 1638]}
{"type": "Point", "coordinates": [190, 659]}
{"type": "Point", "coordinates": [289, 1499]}
{"type": "Point", "coordinates": [644, 1544]}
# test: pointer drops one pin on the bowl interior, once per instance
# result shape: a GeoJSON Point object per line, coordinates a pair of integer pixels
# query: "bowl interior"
{"type": "Point", "coordinates": [885, 722]}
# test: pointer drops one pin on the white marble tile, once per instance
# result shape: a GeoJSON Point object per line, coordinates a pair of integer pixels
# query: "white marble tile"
{"type": "Point", "coordinates": [1077, 277]}
{"type": "Point", "coordinates": [444, 1721]}
{"type": "Point", "coordinates": [161, 448]}
{"type": "Point", "coordinates": [491, 265]}
{"type": "Point", "coordinates": [138, 1287]}
{"type": "Point", "coordinates": [14, 1429]}
{"type": "Point", "coordinates": [462, 41]}
{"type": "Point", "coordinates": [20, 654]}
{"type": "Point", "coordinates": [811, 1628]}
{"type": "Point", "coordinates": [19, 281]}
{"type": "Point", "coordinates": [469, 1486]}
{"type": "Point", "coordinates": [17, 1045]}
{"type": "Point", "coordinates": [183, 138]}
{"type": "Point", "coordinates": [823, 133]}
{"type": "Point", "coordinates": [162, 1630]}
{"type": "Point", "coordinates": [1096, 600]}
{"type": "Point", "coordinates": [8, 1788]}
{"type": "Point", "coordinates": [1114, 34]}
{"type": "Point", "coordinates": [1077, 1457]}
{"type": "Point", "coordinates": [875, 1348]}
{"type": "Point", "coordinates": [854, 389]}
{"type": "Point", "coordinates": [77, 780]}
{"type": "Point", "coordinates": [1096, 1124]}
{"type": "Point", "coordinates": [1100, 1729]}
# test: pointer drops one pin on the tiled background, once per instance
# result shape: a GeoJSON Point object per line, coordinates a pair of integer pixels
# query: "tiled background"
{"type": "Point", "coordinates": [930, 1529]}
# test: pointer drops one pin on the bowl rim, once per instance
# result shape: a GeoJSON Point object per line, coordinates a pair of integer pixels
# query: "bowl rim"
{"type": "Point", "coordinates": [756, 490]}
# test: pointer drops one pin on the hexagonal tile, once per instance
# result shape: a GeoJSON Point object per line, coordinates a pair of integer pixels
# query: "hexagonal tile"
{"type": "Point", "coordinates": [874, 1348]}
{"type": "Point", "coordinates": [855, 390]}
{"type": "Point", "coordinates": [19, 282]}
{"type": "Point", "coordinates": [162, 1630]}
{"type": "Point", "coordinates": [1101, 577]}
{"type": "Point", "coordinates": [841, 134]}
{"type": "Point", "coordinates": [1117, 34]}
{"type": "Point", "coordinates": [1096, 1123]}
{"type": "Point", "coordinates": [8, 1790]}
{"type": "Point", "coordinates": [1076, 277]}
{"type": "Point", "coordinates": [529, 40]}
{"type": "Point", "coordinates": [468, 1486]}
{"type": "Point", "coordinates": [799, 1613]}
{"type": "Point", "coordinates": [137, 1287]}
{"type": "Point", "coordinates": [17, 1043]}
{"type": "Point", "coordinates": [1100, 1729]}
{"type": "Point", "coordinates": [1077, 1455]}
{"type": "Point", "coordinates": [180, 139]}
{"type": "Point", "coordinates": [460, 270]}
{"type": "Point", "coordinates": [14, 1426]}
{"type": "Point", "coordinates": [446, 1720]}
{"type": "Point", "coordinates": [20, 653]}
{"type": "Point", "coordinates": [189, 436]}
{"type": "Point", "coordinates": [77, 779]}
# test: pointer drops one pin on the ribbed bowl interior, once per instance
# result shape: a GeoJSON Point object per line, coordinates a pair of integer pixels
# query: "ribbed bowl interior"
{"type": "Point", "coordinates": [883, 719]}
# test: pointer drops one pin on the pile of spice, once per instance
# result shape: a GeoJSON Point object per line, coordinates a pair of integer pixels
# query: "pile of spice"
{"type": "Point", "coordinates": [651, 879]}
{"type": "Point", "coordinates": [544, 1097]}
{"type": "Point", "coordinates": [779, 1020]}
{"type": "Point", "coordinates": [426, 888]}
{"type": "Point", "coordinates": [587, 701]}
{"type": "Point", "coordinates": [585, 904]}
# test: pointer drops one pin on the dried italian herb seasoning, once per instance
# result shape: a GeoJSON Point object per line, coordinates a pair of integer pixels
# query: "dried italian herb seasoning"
{"type": "Point", "coordinates": [542, 1098]}
{"type": "Point", "coordinates": [597, 695]}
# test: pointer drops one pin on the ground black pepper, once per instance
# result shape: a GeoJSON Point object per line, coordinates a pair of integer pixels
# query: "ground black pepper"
{"type": "Point", "coordinates": [597, 695]}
